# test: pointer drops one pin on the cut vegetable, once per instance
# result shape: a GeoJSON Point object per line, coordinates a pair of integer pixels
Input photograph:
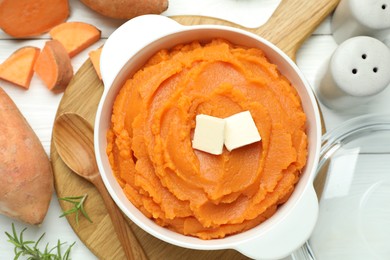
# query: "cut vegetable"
{"type": "Point", "coordinates": [21, 18]}
{"type": "Point", "coordinates": [18, 68]}
{"type": "Point", "coordinates": [26, 177]}
{"type": "Point", "coordinates": [54, 67]}
{"type": "Point", "coordinates": [95, 59]}
{"type": "Point", "coordinates": [75, 36]}
{"type": "Point", "coordinates": [126, 9]}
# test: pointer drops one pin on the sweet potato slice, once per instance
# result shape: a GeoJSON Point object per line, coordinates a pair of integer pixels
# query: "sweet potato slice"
{"type": "Point", "coordinates": [26, 177]}
{"type": "Point", "coordinates": [18, 68]}
{"type": "Point", "coordinates": [75, 36]}
{"type": "Point", "coordinates": [22, 18]}
{"type": "Point", "coordinates": [94, 56]}
{"type": "Point", "coordinates": [53, 66]}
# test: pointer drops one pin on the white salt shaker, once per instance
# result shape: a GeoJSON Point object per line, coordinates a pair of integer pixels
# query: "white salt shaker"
{"type": "Point", "coordinates": [362, 17]}
{"type": "Point", "coordinates": [358, 69]}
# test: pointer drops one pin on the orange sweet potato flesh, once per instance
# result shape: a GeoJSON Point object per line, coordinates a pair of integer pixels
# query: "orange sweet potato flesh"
{"type": "Point", "coordinates": [94, 56]}
{"type": "Point", "coordinates": [53, 66]}
{"type": "Point", "coordinates": [22, 18]}
{"type": "Point", "coordinates": [126, 9]}
{"type": "Point", "coordinates": [190, 191]}
{"type": "Point", "coordinates": [26, 178]}
{"type": "Point", "coordinates": [75, 36]}
{"type": "Point", "coordinates": [18, 68]}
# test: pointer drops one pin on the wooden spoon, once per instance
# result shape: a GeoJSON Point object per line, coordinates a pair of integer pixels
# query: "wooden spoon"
{"type": "Point", "coordinates": [73, 138]}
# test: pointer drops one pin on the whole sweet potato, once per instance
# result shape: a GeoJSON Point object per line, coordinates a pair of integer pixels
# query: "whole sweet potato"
{"type": "Point", "coordinates": [26, 177]}
{"type": "Point", "coordinates": [126, 9]}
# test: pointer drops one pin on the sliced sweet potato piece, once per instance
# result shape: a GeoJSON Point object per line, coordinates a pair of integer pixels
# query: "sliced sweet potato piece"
{"type": "Point", "coordinates": [53, 66]}
{"type": "Point", "coordinates": [75, 36]}
{"type": "Point", "coordinates": [22, 18]}
{"type": "Point", "coordinates": [94, 56]}
{"type": "Point", "coordinates": [26, 177]}
{"type": "Point", "coordinates": [18, 68]}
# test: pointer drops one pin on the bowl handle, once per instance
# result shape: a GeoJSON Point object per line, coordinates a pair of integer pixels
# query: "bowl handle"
{"type": "Point", "coordinates": [290, 234]}
{"type": "Point", "coordinates": [128, 39]}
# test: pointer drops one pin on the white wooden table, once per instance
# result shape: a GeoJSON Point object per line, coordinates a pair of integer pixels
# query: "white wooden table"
{"type": "Point", "coordinates": [39, 106]}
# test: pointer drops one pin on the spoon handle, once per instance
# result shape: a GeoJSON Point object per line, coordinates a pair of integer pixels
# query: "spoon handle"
{"type": "Point", "coordinates": [132, 248]}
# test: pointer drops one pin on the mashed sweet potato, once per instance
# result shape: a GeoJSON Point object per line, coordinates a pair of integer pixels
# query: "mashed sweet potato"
{"type": "Point", "coordinates": [193, 192]}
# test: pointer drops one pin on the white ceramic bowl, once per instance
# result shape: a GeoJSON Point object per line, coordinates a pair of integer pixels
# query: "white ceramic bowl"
{"type": "Point", "coordinates": [125, 51]}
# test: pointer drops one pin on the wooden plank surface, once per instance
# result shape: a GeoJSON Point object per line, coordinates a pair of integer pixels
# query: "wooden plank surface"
{"type": "Point", "coordinates": [291, 24]}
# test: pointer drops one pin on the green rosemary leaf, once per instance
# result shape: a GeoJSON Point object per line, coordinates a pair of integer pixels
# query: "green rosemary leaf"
{"type": "Point", "coordinates": [78, 202]}
{"type": "Point", "coordinates": [67, 252]}
{"type": "Point", "coordinates": [22, 247]}
{"type": "Point", "coordinates": [85, 213]}
{"type": "Point", "coordinates": [59, 249]}
{"type": "Point", "coordinates": [68, 212]}
{"type": "Point", "coordinates": [39, 240]}
{"type": "Point", "coordinates": [74, 199]}
{"type": "Point", "coordinates": [17, 254]}
{"type": "Point", "coordinates": [77, 218]}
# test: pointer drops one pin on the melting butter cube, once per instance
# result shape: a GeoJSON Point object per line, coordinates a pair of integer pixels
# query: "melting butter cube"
{"type": "Point", "coordinates": [240, 130]}
{"type": "Point", "coordinates": [209, 134]}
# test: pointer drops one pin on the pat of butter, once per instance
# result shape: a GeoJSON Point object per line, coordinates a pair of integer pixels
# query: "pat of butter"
{"type": "Point", "coordinates": [209, 134]}
{"type": "Point", "coordinates": [240, 130]}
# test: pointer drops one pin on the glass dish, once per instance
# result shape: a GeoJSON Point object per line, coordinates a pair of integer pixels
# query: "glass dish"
{"type": "Point", "coordinates": [353, 187]}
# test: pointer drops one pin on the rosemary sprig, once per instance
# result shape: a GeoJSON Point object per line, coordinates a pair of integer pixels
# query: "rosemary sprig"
{"type": "Point", "coordinates": [31, 250]}
{"type": "Point", "coordinates": [78, 202]}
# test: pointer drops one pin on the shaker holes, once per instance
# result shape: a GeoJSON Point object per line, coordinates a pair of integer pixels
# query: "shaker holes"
{"type": "Point", "coordinates": [384, 6]}
{"type": "Point", "coordinates": [364, 56]}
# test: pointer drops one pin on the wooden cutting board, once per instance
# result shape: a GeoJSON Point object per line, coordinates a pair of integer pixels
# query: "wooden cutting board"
{"type": "Point", "coordinates": [290, 25]}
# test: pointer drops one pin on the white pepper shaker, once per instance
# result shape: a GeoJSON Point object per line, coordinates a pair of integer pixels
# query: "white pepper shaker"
{"type": "Point", "coordinates": [361, 17]}
{"type": "Point", "coordinates": [358, 70]}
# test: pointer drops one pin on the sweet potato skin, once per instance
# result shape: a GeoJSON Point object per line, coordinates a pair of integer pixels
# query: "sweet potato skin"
{"type": "Point", "coordinates": [26, 177]}
{"type": "Point", "coordinates": [126, 9]}
{"type": "Point", "coordinates": [54, 66]}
